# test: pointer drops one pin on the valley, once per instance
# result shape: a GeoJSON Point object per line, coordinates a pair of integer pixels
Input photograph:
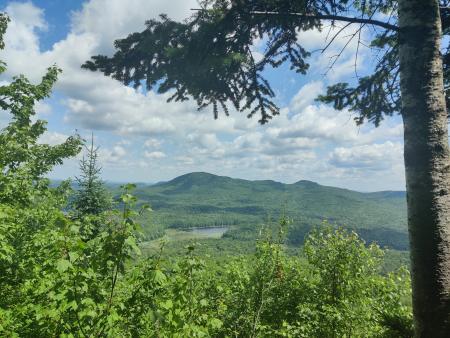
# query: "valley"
{"type": "Point", "coordinates": [203, 200]}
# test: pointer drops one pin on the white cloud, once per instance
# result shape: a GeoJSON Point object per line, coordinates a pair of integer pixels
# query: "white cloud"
{"type": "Point", "coordinates": [152, 143]}
{"type": "Point", "coordinates": [115, 156]}
{"type": "Point", "coordinates": [53, 138]}
{"type": "Point", "coordinates": [43, 109]}
{"type": "Point", "coordinates": [119, 151]}
{"type": "Point", "coordinates": [322, 122]}
{"type": "Point", "coordinates": [306, 95]}
{"type": "Point", "coordinates": [204, 141]}
{"type": "Point", "coordinates": [109, 20]}
{"type": "Point", "coordinates": [371, 157]}
{"type": "Point", "coordinates": [28, 20]}
{"type": "Point", "coordinates": [154, 155]}
{"type": "Point", "coordinates": [21, 37]}
{"type": "Point", "coordinates": [95, 101]}
{"type": "Point", "coordinates": [79, 106]}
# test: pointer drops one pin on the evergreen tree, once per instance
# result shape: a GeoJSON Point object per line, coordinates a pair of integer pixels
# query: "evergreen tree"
{"type": "Point", "coordinates": [209, 58]}
{"type": "Point", "coordinates": [91, 197]}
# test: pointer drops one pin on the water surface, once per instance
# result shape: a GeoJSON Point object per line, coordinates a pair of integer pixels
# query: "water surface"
{"type": "Point", "coordinates": [213, 232]}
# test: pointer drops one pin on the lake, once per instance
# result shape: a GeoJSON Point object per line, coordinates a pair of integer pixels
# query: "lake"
{"type": "Point", "coordinates": [213, 232]}
{"type": "Point", "coordinates": [175, 235]}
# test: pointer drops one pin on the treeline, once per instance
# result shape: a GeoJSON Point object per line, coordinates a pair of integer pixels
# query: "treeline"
{"type": "Point", "coordinates": [182, 212]}
{"type": "Point", "coordinates": [384, 237]}
{"type": "Point", "coordinates": [298, 232]}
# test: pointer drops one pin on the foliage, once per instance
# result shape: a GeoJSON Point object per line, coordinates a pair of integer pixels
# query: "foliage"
{"type": "Point", "coordinates": [337, 292]}
{"type": "Point", "coordinates": [29, 209]}
{"type": "Point", "coordinates": [352, 294]}
{"type": "Point", "coordinates": [334, 288]}
{"type": "Point", "coordinates": [24, 160]}
{"type": "Point", "coordinates": [91, 197]}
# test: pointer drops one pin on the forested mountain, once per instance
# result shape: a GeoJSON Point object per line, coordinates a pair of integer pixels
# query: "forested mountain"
{"type": "Point", "coordinates": [202, 199]}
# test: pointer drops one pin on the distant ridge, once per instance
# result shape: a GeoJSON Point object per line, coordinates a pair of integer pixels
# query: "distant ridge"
{"type": "Point", "coordinates": [201, 199]}
{"type": "Point", "coordinates": [201, 177]}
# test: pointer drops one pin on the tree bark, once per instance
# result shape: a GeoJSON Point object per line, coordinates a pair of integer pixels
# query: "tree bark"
{"type": "Point", "coordinates": [427, 164]}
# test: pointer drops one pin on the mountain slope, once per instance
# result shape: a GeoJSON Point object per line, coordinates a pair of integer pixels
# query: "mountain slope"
{"type": "Point", "coordinates": [202, 199]}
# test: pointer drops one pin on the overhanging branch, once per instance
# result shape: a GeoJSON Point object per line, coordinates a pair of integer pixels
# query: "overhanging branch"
{"type": "Point", "coordinates": [333, 17]}
{"type": "Point", "coordinates": [327, 17]}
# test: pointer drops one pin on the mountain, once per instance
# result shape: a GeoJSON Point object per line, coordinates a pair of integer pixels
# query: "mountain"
{"type": "Point", "coordinates": [203, 199]}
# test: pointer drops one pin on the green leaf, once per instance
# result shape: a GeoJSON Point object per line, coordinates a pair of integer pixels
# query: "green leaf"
{"type": "Point", "coordinates": [63, 265]}
{"type": "Point", "coordinates": [216, 323]}
{"type": "Point", "coordinates": [159, 277]}
{"type": "Point", "coordinates": [168, 304]}
{"type": "Point", "coordinates": [73, 255]}
{"type": "Point", "coordinates": [131, 242]}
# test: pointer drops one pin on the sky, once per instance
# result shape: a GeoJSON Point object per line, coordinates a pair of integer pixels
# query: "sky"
{"type": "Point", "coordinates": [143, 138]}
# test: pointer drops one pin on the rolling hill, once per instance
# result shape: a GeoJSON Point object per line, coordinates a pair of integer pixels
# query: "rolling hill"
{"type": "Point", "coordinates": [204, 200]}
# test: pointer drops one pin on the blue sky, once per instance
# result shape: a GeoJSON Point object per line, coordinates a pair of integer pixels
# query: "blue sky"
{"type": "Point", "coordinates": [143, 138]}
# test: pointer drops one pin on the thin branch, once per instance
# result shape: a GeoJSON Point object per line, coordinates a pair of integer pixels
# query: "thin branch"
{"type": "Point", "coordinates": [359, 36]}
{"type": "Point", "coordinates": [358, 32]}
{"type": "Point", "coordinates": [329, 31]}
{"type": "Point", "coordinates": [334, 37]}
{"type": "Point", "coordinates": [336, 57]}
{"type": "Point", "coordinates": [357, 52]}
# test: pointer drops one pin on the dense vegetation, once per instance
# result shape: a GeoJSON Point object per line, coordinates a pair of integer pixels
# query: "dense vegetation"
{"type": "Point", "coordinates": [59, 277]}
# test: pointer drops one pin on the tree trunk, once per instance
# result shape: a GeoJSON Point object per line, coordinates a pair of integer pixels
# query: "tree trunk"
{"type": "Point", "coordinates": [427, 164]}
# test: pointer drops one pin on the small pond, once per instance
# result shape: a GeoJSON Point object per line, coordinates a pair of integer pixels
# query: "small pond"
{"type": "Point", "coordinates": [213, 232]}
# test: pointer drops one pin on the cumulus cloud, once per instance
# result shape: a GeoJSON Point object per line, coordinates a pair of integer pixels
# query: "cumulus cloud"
{"type": "Point", "coordinates": [371, 157]}
{"type": "Point", "coordinates": [28, 20]}
{"type": "Point", "coordinates": [21, 38]}
{"type": "Point", "coordinates": [112, 19]}
{"type": "Point", "coordinates": [321, 122]}
{"type": "Point", "coordinates": [53, 138]}
{"type": "Point", "coordinates": [204, 141]}
{"type": "Point", "coordinates": [306, 95]}
{"type": "Point", "coordinates": [93, 100]}
{"type": "Point", "coordinates": [154, 154]}
{"type": "Point", "coordinates": [152, 143]}
{"type": "Point", "coordinates": [113, 156]}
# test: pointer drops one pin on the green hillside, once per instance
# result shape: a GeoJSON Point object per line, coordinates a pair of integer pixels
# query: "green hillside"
{"type": "Point", "coordinates": [204, 200]}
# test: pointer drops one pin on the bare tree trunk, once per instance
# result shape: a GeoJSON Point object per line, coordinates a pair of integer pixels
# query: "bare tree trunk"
{"type": "Point", "coordinates": [427, 164]}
